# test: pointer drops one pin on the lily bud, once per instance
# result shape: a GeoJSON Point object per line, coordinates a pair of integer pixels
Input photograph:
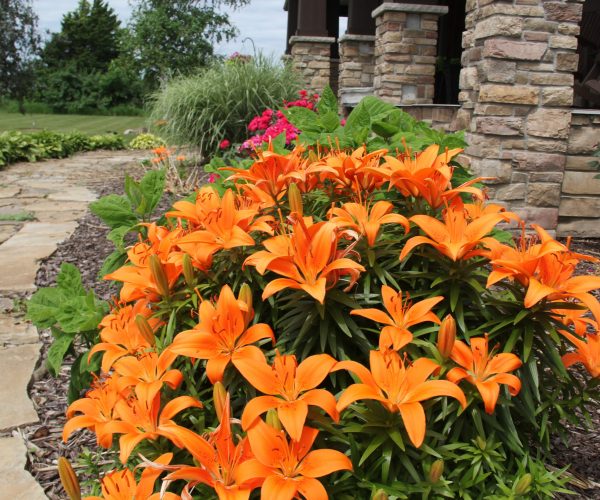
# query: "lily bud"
{"type": "Point", "coordinates": [523, 484]}
{"type": "Point", "coordinates": [446, 336]}
{"type": "Point", "coordinates": [380, 495]}
{"type": "Point", "coordinates": [436, 471]}
{"type": "Point", "coordinates": [68, 478]}
{"type": "Point", "coordinates": [273, 419]}
{"type": "Point", "coordinates": [245, 296]}
{"type": "Point", "coordinates": [188, 271]}
{"type": "Point", "coordinates": [158, 273]}
{"type": "Point", "coordinates": [482, 443]}
{"type": "Point", "coordinates": [295, 199]}
{"type": "Point", "coordinates": [145, 329]}
{"type": "Point", "coordinates": [220, 399]}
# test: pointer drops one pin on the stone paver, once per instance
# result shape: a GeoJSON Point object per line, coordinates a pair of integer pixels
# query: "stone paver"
{"type": "Point", "coordinates": [17, 364]}
{"type": "Point", "coordinates": [19, 485]}
{"type": "Point", "coordinates": [56, 193]}
{"type": "Point", "coordinates": [19, 255]}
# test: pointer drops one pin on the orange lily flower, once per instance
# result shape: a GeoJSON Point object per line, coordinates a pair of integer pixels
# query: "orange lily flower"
{"type": "Point", "coordinates": [148, 373]}
{"type": "Point", "coordinates": [220, 459]}
{"type": "Point", "coordinates": [398, 388]}
{"type": "Point", "coordinates": [520, 262]}
{"type": "Point", "coordinates": [402, 315]}
{"type": "Point", "coordinates": [222, 335]}
{"type": "Point", "coordinates": [142, 418]}
{"type": "Point", "coordinates": [484, 371]}
{"type": "Point", "coordinates": [97, 410]}
{"type": "Point", "coordinates": [120, 333]}
{"type": "Point", "coordinates": [271, 174]}
{"type": "Point", "coordinates": [289, 469]}
{"type": "Point", "coordinates": [587, 353]}
{"type": "Point", "coordinates": [308, 258]}
{"type": "Point", "coordinates": [121, 484]}
{"type": "Point", "coordinates": [367, 222]}
{"type": "Point", "coordinates": [208, 199]}
{"type": "Point", "coordinates": [427, 175]}
{"type": "Point", "coordinates": [576, 318]}
{"type": "Point", "coordinates": [290, 387]}
{"type": "Point", "coordinates": [223, 228]}
{"type": "Point", "coordinates": [456, 238]}
{"type": "Point", "coordinates": [354, 172]}
{"type": "Point", "coordinates": [546, 270]}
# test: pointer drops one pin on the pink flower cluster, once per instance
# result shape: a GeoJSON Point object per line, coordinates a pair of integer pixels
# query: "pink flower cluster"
{"type": "Point", "coordinates": [271, 123]}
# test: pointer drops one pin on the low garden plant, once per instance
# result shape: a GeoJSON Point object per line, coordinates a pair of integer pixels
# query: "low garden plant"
{"type": "Point", "coordinates": [19, 146]}
{"type": "Point", "coordinates": [341, 320]}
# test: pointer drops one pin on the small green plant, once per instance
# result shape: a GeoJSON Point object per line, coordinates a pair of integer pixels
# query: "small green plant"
{"type": "Point", "coordinates": [146, 141]}
{"type": "Point", "coordinates": [17, 217]}
{"type": "Point", "coordinates": [18, 146]}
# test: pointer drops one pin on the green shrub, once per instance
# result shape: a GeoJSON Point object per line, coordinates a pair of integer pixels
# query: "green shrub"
{"type": "Point", "coordinates": [18, 146]}
{"type": "Point", "coordinates": [146, 141]}
{"type": "Point", "coordinates": [216, 104]}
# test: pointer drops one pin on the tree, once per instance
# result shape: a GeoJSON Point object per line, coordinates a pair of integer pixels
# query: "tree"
{"type": "Point", "coordinates": [19, 43]}
{"type": "Point", "coordinates": [167, 37]}
{"type": "Point", "coordinates": [88, 39]}
{"type": "Point", "coordinates": [80, 74]}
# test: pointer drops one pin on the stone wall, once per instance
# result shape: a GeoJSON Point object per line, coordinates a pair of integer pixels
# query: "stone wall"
{"type": "Point", "coordinates": [405, 52]}
{"type": "Point", "coordinates": [311, 57]}
{"type": "Point", "coordinates": [579, 211]}
{"type": "Point", "coordinates": [440, 116]}
{"type": "Point", "coordinates": [516, 93]}
{"type": "Point", "coordinates": [357, 61]}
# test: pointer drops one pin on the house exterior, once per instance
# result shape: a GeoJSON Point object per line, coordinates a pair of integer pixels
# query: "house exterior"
{"type": "Point", "coordinates": [522, 77]}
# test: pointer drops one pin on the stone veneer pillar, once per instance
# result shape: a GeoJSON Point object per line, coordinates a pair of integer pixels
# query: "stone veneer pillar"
{"type": "Point", "coordinates": [311, 57]}
{"type": "Point", "coordinates": [405, 51]}
{"type": "Point", "coordinates": [357, 67]}
{"type": "Point", "coordinates": [516, 94]}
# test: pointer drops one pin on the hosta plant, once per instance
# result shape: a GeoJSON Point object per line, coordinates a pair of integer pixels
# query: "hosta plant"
{"type": "Point", "coordinates": [346, 324]}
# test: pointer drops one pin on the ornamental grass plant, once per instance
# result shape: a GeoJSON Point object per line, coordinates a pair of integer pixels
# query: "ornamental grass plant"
{"type": "Point", "coordinates": [340, 323]}
{"type": "Point", "coordinates": [203, 109]}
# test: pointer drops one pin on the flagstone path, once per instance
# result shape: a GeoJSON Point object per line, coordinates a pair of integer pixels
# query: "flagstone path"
{"type": "Point", "coordinates": [39, 207]}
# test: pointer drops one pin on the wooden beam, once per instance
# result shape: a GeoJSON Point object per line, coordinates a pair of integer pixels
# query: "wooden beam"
{"type": "Point", "coordinates": [360, 21]}
{"type": "Point", "coordinates": [312, 18]}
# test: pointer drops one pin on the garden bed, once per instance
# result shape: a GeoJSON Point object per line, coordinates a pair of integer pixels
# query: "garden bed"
{"type": "Point", "coordinates": [87, 248]}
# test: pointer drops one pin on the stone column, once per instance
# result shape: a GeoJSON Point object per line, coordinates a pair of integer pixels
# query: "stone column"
{"type": "Point", "coordinates": [405, 51]}
{"type": "Point", "coordinates": [516, 94]}
{"type": "Point", "coordinates": [357, 67]}
{"type": "Point", "coordinates": [311, 57]}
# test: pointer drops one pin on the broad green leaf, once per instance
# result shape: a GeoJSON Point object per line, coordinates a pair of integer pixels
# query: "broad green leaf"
{"type": "Point", "coordinates": [302, 118]}
{"type": "Point", "coordinates": [327, 102]}
{"type": "Point", "coordinates": [69, 280]}
{"type": "Point", "coordinates": [133, 191]}
{"type": "Point", "coordinates": [330, 121]}
{"type": "Point", "coordinates": [114, 210]}
{"type": "Point", "coordinates": [152, 187]}
{"type": "Point", "coordinates": [117, 235]}
{"type": "Point", "coordinates": [57, 350]}
{"type": "Point", "coordinates": [43, 306]}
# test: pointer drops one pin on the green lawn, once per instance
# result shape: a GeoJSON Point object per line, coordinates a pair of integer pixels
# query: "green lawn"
{"type": "Point", "coordinates": [70, 123]}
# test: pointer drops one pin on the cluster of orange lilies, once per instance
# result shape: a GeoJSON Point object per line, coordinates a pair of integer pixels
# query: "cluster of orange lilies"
{"type": "Point", "coordinates": [260, 223]}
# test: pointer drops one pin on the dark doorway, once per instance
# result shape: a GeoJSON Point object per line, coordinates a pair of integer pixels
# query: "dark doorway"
{"type": "Point", "coordinates": [449, 51]}
{"type": "Point", "coordinates": [587, 77]}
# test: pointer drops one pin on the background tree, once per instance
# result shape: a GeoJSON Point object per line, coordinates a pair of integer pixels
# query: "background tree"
{"type": "Point", "coordinates": [80, 73]}
{"type": "Point", "coordinates": [19, 43]}
{"type": "Point", "coordinates": [88, 38]}
{"type": "Point", "coordinates": [168, 37]}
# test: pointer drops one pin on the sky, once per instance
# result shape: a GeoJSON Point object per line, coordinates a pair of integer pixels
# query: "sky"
{"type": "Point", "coordinates": [263, 21]}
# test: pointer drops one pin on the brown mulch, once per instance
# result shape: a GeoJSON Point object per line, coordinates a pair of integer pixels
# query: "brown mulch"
{"type": "Point", "coordinates": [87, 248]}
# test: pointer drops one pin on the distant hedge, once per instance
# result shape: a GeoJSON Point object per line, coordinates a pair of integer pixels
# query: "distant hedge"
{"type": "Point", "coordinates": [18, 146]}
